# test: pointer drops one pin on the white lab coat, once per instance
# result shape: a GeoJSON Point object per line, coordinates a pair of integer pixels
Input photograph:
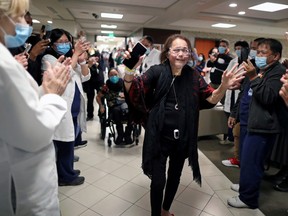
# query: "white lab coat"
{"type": "Point", "coordinates": [65, 131]}
{"type": "Point", "coordinates": [27, 154]}
{"type": "Point", "coordinates": [152, 59]}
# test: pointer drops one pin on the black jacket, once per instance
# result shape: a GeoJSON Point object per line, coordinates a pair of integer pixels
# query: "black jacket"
{"type": "Point", "coordinates": [266, 102]}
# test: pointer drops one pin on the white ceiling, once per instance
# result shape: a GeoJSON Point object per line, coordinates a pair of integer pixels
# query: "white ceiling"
{"type": "Point", "coordinates": [188, 15]}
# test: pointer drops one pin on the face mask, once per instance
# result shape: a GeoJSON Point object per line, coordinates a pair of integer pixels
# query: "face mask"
{"type": "Point", "coordinates": [238, 53]}
{"type": "Point", "coordinates": [147, 51]}
{"type": "Point", "coordinates": [200, 58]}
{"type": "Point", "coordinates": [23, 32]}
{"type": "Point", "coordinates": [253, 53]}
{"type": "Point", "coordinates": [261, 62]}
{"type": "Point", "coordinates": [221, 49]}
{"type": "Point", "coordinates": [63, 48]}
{"type": "Point", "coordinates": [114, 79]}
{"type": "Point", "coordinates": [191, 63]}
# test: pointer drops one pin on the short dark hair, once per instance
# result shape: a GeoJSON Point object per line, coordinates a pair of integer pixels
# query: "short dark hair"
{"type": "Point", "coordinates": [242, 43]}
{"type": "Point", "coordinates": [274, 45]}
{"type": "Point", "coordinates": [149, 38]}
{"type": "Point", "coordinates": [224, 41]}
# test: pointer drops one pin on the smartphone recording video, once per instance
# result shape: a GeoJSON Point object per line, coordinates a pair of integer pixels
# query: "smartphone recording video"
{"type": "Point", "coordinates": [138, 50]}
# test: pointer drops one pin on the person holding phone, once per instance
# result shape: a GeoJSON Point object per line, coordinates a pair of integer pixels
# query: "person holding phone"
{"type": "Point", "coordinates": [28, 119]}
{"type": "Point", "coordinates": [172, 93]}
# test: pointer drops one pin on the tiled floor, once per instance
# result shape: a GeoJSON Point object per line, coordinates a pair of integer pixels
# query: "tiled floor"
{"type": "Point", "coordinates": [115, 185]}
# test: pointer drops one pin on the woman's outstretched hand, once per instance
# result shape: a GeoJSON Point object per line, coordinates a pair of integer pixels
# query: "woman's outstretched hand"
{"type": "Point", "coordinates": [232, 79]}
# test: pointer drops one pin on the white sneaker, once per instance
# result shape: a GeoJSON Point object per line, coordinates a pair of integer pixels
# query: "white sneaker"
{"type": "Point", "coordinates": [235, 187]}
{"type": "Point", "coordinates": [231, 162]}
{"type": "Point", "coordinates": [236, 202]}
{"type": "Point", "coordinates": [226, 142]}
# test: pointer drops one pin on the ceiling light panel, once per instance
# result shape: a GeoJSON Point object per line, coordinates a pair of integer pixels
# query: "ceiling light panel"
{"type": "Point", "coordinates": [269, 7]}
{"type": "Point", "coordinates": [223, 25]}
{"type": "Point", "coordinates": [111, 15]}
{"type": "Point", "coordinates": [108, 26]}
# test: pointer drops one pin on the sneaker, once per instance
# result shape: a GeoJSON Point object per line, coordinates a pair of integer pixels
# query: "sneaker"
{"type": "Point", "coordinates": [81, 145]}
{"type": "Point", "coordinates": [231, 162]}
{"type": "Point", "coordinates": [78, 181]}
{"type": "Point", "coordinates": [235, 187]}
{"type": "Point", "coordinates": [226, 142]}
{"type": "Point", "coordinates": [236, 202]}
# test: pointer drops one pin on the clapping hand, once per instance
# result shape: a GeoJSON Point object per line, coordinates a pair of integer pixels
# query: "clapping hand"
{"type": "Point", "coordinates": [55, 79]}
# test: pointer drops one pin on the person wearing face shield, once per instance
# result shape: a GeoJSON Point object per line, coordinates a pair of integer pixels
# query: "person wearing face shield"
{"type": "Point", "coordinates": [112, 92]}
{"type": "Point", "coordinates": [152, 55]}
{"type": "Point", "coordinates": [29, 116]}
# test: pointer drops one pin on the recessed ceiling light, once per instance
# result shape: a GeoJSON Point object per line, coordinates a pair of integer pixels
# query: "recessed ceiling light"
{"type": "Point", "coordinates": [35, 21]}
{"type": "Point", "coordinates": [269, 7]}
{"type": "Point", "coordinates": [233, 5]}
{"type": "Point", "coordinates": [112, 15]}
{"type": "Point", "coordinates": [49, 21]}
{"type": "Point", "coordinates": [108, 26]}
{"type": "Point", "coordinates": [107, 32]}
{"type": "Point", "coordinates": [223, 25]}
{"type": "Point", "coordinates": [241, 12]}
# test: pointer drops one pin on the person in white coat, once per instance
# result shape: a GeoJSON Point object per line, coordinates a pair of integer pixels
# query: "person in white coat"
{"type": "Point", "coordinates": [74, 121]}
{"type": "Point", "coordinates": [152, 55]}
{"type": "Point", "coordinates": [28, 183]}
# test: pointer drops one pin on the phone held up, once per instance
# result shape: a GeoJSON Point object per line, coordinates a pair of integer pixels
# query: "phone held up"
{"type": "Point", "coordinates": [138, 50]}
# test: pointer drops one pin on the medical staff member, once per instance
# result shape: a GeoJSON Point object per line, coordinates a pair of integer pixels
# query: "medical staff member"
{"type": "Point", "coordinates": [28, 183]}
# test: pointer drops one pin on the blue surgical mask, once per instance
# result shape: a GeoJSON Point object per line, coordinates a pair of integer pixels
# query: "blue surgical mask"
{"type": "Point", "coordinates": [63, 48]}
{"type": "Point", "coordinates": [238, 53]}
{"type": "Point", "coordinates": [114, 79]}
{"type": "Point", "coordinates": [221, 49]}
{"type": "Point", "coordinates": [253, 53]}
{"type": "Point", "coordinates": [261, 62]}
{"type": "Point", "coordinates": [23, 32]}
{"type": "Point", "coordinates": [147, 51]}
{"type": "Point", "coordinates": [200, 58]}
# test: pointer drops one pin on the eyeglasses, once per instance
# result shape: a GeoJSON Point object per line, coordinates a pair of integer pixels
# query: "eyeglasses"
{"type": "Point", "coordinates": [176, 51]}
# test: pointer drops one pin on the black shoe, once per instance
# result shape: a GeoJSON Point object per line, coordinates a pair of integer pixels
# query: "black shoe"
{"type": "Point", "coordinates": [81, 145]}
{"type": "Point", "coordinates": [119, 140]}
{"type": "Point", "coordinates": [89, 118]}
{"type": "Point", "coordinates": [282, 186]}
{"type": "Point", "coordinates": [78, 181]}
{"type": "Point", "coordinates": [77, 172]}
{"type": "Point", "coordinates": [128, 140]}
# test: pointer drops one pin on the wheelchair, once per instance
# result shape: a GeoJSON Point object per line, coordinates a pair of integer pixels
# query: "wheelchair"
{"type": "Point", "coordinates": [106, 121]}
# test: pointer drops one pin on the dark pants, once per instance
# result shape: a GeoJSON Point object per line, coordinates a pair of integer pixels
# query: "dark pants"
{"type": "Point", "coordinates": [176, 162]}
{"type": "Point", "coordinates": [255, 150]}
{"type": "Point", "coordinates": [118, 117]}
{"type": "Point", "coordinates": [64, 162]}
{"type": "Point", "coordinates": [90, 88]}
{"type": "Point", "coordinates": [65, 156]}
{"type": "Point", "coordinates": [243, 133]}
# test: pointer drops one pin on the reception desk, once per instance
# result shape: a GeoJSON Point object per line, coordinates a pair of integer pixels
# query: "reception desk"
{"type": "Point", "coordinates": [212, 122]}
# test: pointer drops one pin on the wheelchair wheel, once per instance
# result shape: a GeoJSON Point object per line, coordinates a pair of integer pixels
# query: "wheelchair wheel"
{"type": "Point", "coordinates": [103, 125]}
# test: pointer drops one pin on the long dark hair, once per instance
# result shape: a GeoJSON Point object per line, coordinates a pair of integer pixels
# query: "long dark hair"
{"type": "Point", "coordinates": [168, 43]}
{"type": "Point", "coordinates": [54, 36]}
